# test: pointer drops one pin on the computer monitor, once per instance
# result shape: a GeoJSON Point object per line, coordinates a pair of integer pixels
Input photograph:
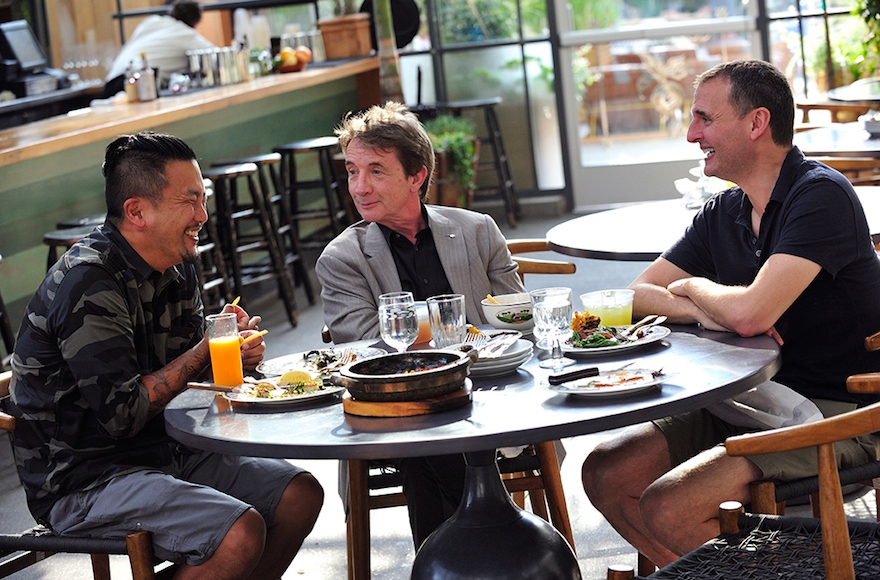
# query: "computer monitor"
{"type": "Point", "coordinates": [17, 42]}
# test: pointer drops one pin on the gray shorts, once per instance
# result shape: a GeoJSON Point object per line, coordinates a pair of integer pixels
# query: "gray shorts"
{"type": "Point", "coordinates": [691, 433]}
{"type": "Point", "coordinates": [187, 511]}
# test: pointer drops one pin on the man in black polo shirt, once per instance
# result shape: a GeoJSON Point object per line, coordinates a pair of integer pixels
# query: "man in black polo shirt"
{"type": "Point", "coordinates": [787, 253]}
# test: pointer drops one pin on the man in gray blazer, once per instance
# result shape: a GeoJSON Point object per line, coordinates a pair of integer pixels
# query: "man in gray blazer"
{"type": "Point", "coordinates": [389, 160]}
{"type": "Point", "coordinates": [402, 244]}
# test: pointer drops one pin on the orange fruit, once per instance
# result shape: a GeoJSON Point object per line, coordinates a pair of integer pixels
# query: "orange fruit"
{"type": "Point", "coordinates": [288, 57]}
{"type": "Point", "coordinates": [303, 54]}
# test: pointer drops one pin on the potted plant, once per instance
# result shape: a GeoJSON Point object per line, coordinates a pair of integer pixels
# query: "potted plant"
{"type": "Point", "coordinates": [347, 33]}
{"type": "Point", "coordinates": [456, 150]}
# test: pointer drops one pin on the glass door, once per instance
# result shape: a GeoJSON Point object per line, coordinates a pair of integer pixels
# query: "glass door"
{"type": "Point", "coordinates": [627, 68]}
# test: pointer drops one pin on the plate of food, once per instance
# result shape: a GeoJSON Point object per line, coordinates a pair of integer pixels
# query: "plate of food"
{"type": "Point", "coordinates": [322, 361]}
{"type": "Point", "coordinates": [613, 383]}
{"type": "Point", "coordinates": [606, 339]}
{"type": "Point", "coordinates": [292, 387]}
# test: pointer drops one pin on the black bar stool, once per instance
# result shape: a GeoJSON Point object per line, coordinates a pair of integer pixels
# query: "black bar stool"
{"type": "Point", "coordinates": [93, 220]}
{"type": "Point", "coordinates": [6, 331]}
{"type": "Point", "coordinates": [63, 239]}
{"type": "Point", "coordinates": [244, 229]}
{"type": "Point", "coordinates": [280, 217]}
{"type": "Point", "coordinates": [335, 208]}
{"type": "Point", "coordinates": [214, 283]}
{"type": "Point", "coordinates": [499, 162]}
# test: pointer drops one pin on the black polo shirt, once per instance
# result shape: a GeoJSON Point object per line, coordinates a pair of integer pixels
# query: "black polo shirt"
{"type": "Point", "coordinates": [418, 265]}
{"type": "Point", "coordinates": [813, 213]}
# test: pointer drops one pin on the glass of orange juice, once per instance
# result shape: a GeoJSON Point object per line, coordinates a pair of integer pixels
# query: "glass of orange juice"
{"type": "Point", "coordinates": [225, 349]}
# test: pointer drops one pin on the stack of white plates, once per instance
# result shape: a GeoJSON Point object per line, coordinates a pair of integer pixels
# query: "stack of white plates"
{"type": "Point", "coordinates": [517, 354]}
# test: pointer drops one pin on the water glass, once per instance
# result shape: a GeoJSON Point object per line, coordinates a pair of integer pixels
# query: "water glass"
{"type": "Point", "coordinates": [447, 319]}
{"type": "Point", "coordinates": [536, 296]}
{"type": "Point", "coordinates": [552, 314]}
{"type": "Point", "coordinates": [225, 347]}
{"type": "Point", "coordinates": [397, 320]}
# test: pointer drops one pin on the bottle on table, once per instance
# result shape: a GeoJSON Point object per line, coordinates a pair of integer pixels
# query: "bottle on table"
{"type": "Point", "coordinates": [131, 79]}
{"type": "Point", "coordinates": [146, 83]}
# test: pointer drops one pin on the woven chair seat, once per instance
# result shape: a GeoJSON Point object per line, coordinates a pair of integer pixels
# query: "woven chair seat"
{"type": "Point", "coordinates": [777, 548]}
{"type": "Point", "coordinates": [808, 485]}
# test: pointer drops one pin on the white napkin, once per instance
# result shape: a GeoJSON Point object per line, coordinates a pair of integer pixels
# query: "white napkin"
{"type": "Point", "coordinates": [768, 406]}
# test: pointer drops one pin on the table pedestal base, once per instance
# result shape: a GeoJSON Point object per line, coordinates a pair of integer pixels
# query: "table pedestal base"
{"type": "Point", "coordinates": [489, 537]}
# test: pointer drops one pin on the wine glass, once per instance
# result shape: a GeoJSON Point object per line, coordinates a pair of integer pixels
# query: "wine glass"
{"type": "Point", "coordinates": [545, 341]}
{"type": "Point", "coordinates": [553, 317]}
{"type": "Point", "coordinates": [398, 324]}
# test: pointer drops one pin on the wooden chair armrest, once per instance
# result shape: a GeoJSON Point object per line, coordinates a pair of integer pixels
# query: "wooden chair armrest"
{"type": "Point", "coordinates": [536, 266]}
{"type": "Point", "coordinates": [5, 379]}
{"type": "Point", "coordinates": [864, 383]}
{"type": "Point", "coordinates": [838, 428]}
{"type": "Point", "coordinates": [872, 343]}
{"type": "Point", "coordinates": [526, 245]}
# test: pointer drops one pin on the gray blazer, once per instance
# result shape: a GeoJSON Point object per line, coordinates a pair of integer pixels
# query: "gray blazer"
{"type": "Point", "coordinates": [357, 266]}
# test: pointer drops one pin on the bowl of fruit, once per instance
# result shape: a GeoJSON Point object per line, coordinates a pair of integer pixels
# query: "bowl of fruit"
{"type": "Point", "coordinates": [291, 60]}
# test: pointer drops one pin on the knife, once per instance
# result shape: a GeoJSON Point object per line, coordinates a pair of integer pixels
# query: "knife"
{"type": "Point", "coordinates": [573, 375]}
{"type": "Point", "coordinates": [210, 387]}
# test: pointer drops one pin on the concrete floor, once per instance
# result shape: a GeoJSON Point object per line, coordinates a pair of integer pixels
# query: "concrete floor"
{"type": "Point", "coordinates": [323, 557]}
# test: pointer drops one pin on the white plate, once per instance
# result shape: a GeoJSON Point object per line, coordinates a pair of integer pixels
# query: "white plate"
{"type": "Point", "coordinates": [493, 363]}
{"type": "Point", "coordinates": [513, 351]}
{"type": "Point", "coordinates": [656, 333]}
{"type": "Point", "coordinates": [291, 362]}
{"type": "Point", "coordinates": [291, 400]}
{"type": "Point", "coordinates": [585, 388]}
{"type": "Point", "coordinates": [503, 368]}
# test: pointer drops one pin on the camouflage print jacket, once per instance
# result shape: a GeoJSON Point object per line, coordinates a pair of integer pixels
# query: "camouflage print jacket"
{"type": "Point", "coordinates": [100, 320]}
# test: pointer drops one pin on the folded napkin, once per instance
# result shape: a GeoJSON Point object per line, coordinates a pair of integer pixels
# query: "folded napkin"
{"type": "Point", "coordinates": [768, 406]}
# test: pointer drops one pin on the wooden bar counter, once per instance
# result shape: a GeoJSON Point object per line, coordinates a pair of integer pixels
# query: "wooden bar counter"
{"type": "Point", "coordinates": [51, 169]}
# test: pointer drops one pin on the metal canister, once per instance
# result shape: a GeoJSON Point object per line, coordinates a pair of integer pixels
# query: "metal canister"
{"type": "Point", "coordinates": [208, 60]}
{"type": "Point", "coordinates": [194, 59]}
{"type": "Point", "coordinates": [316, 43]}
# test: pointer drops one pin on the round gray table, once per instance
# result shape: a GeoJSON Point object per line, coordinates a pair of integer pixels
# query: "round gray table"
{"type": "Point", "coordinates": [861, 91]}
{"type": "Point", "coordinates": [838, 140]}
{"type": "Point", "coordinates": [643, 231]}
{"type": "Point", "coordinates": [494, 538]}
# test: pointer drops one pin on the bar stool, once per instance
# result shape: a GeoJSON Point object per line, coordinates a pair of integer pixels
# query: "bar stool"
{"type": "Point", "coordinates": [64, 238]}
{"type": "Point", "coordinates": [93, 220]}
{"type": "Point", "coordinates": [214, 284]}
{"type": "Point", "coordinates": [6, 331]}
{"type": "Point", "coordinates": [334, 209]}
{"type": "Point", "coordinates": [280, 217]}
{"type": "Point", "coordinates": [499, 162]}
{"type": "Point", "coordinates": [239, 235]}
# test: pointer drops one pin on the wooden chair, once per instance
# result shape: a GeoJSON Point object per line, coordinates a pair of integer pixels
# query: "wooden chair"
{"type": "Point", "coordinates": [775, 542]}
{"type": "Point", "coordinates": [535, 471]}
{"type": "Point", "coordinates": [534, 265]}
{"type": "Point", "coordinates": [19, 551]}
{"type": "Point", "coordinates": [859, 170]}
{"type": "Point", "coordinates": [839, 112]}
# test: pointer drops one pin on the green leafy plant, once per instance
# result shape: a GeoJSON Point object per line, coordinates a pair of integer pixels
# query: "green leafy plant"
{"type": "Point", "coordinates": [455, 137]}
{"type": "Point", "coordinates": [868, 61]}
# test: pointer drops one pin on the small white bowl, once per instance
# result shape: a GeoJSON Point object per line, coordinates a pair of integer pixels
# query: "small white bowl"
{"type": "Point", "coordinates": [872, 126]}
{"type": "Point", "coordinates": [514, 312]}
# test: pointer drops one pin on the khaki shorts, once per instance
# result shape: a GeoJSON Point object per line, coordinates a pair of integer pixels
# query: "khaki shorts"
{"type": "Point", "coordinates": [691, 433]}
